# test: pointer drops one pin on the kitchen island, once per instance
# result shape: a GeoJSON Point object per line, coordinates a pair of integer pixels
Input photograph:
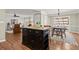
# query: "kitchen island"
{"type": "Point", "coordinates": [36, 38]}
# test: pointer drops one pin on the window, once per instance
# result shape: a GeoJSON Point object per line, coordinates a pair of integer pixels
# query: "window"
{"type": "Point", "coordinates": [61, 22]}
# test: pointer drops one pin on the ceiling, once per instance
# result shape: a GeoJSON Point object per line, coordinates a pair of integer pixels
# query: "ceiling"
{"type": "Point", "coordinates": [53, 12]}
{"type": "Point", "coordinates": [48, 11]}
{"type": "Point", "coordinates": [21, 11]}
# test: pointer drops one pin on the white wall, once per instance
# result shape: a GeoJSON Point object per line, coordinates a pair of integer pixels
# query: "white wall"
{"type": "Point", "coordinates": [2, 31]}
{"type": "Point", "coordinates": [41, 17]}
{"type": "Point", "coordinates": [51, 19]}
{"type": "Point", "coordinates": [2, 15]}
{"type": "Point", "coordinates": [2, 25]}
{"type": "Point", "coordinates": [73, 22]}
{"type": "Point", "coordinates": [24, 19]}
{"type": "Point", "coordinates": [44, 18]}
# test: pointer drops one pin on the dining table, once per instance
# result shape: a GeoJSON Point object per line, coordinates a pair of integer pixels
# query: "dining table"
{"type": "Point", "coordinates": [59, 31]}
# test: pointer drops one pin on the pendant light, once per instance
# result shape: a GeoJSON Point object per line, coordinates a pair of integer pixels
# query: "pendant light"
{"type": "Point", "coordinates": [58, 12]}
{"type": "Point", "coordinates": [58, 18]}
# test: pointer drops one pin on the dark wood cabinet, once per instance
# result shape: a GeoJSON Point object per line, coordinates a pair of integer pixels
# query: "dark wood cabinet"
{"type": "Point", "coordinates": [35, 39]}
{"type": "Point", "coordinates": [16, 29]}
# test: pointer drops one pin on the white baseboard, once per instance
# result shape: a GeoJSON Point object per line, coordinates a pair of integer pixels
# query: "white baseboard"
{"type": "Point", "coordinates": [2, 40]}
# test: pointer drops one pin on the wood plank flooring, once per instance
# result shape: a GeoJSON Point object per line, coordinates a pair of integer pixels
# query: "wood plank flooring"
{"type": "Point", "coordinates": [60, 45]}
{"type": "Point", "coordinates": [13, 42]}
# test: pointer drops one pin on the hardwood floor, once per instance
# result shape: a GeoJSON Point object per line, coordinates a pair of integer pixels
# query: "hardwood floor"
{"type": "Point", "coordinates": [13, 42]}
{"type": "Point", "coordinates": [60, 45]}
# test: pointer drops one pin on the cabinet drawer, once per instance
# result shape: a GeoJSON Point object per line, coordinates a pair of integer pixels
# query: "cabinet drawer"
{"type": "Point", "coordinates": [30, 32]}
{"type": "Point", "coordinates": [24, 29]}
{"type": "Point", "coordinates": [35, 39]}
{"type": "Point", "coordinates": [38, 32]}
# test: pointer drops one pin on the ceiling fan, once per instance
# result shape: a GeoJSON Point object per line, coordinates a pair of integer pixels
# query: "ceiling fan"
{"type": "Point", "coordinates": [15, 15]}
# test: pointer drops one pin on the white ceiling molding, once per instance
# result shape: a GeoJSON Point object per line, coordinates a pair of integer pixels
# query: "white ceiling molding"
{"type": "Point", "coordinates": [62, 12]}
{"type": "Point", "coordinates": [22, 11]}
{"type": "Point", "coordinates": [49, 12]}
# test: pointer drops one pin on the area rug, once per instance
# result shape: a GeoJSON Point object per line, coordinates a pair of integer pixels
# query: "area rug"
{"type": "Point", "coordinates": [68, 39]}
